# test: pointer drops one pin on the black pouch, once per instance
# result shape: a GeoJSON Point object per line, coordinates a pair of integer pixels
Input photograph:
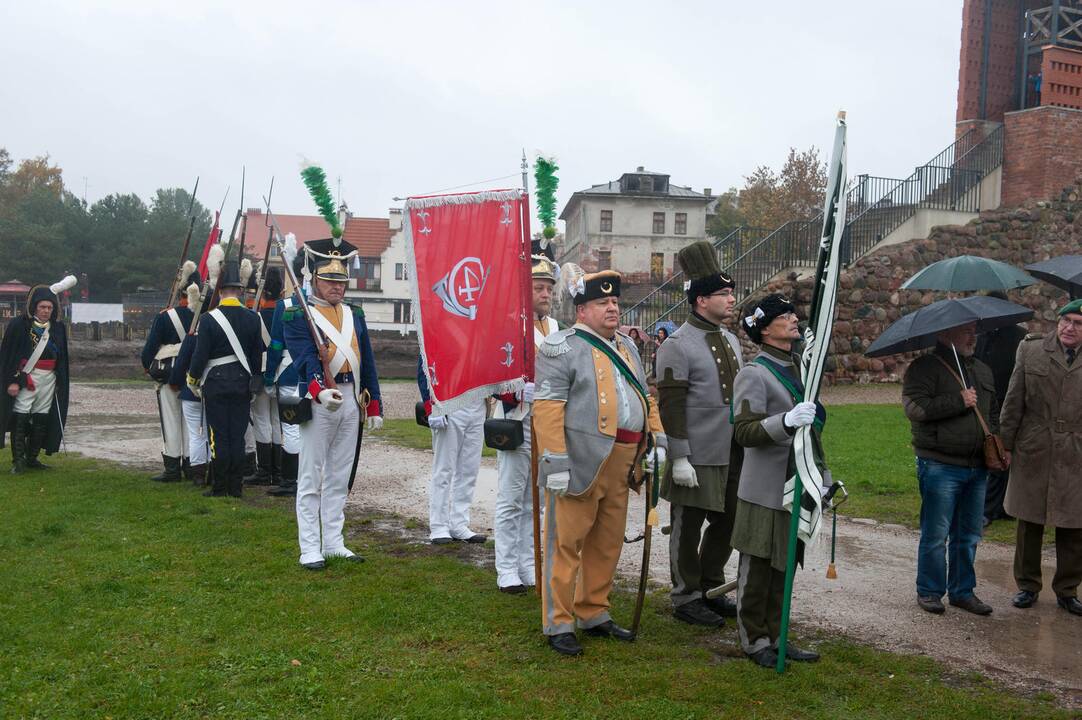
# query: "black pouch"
{"type": "Point", "coordinates": [160, 369]}
{"type": "Point", "coordinates": [503, 434]}
{"type": "Point", "coordinates": [296, 414]}
{"type": "Point", "coordinates": [420, 415]}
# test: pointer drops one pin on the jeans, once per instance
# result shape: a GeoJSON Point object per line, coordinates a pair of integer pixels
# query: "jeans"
{"type": "Point", "coordinates": [952, 507]}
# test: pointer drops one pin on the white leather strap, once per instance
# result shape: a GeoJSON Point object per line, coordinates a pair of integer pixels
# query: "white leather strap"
{"type": "Point", "coordinates": [217, 362]}
{"type": "Point", "coordinates": [171, 313]}
{"type": "Point", "coordinates": [342, 339]}
{"type": "Point", "coordinates": [35, 355]}
{"type": "Point", "coordinates": [231, 336]}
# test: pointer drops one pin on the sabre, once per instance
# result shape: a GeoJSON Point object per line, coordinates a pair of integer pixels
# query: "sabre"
{"type": "Point", "coordinates": [177, 280]}
{"type": "Point", "coordinates": [320, 342]}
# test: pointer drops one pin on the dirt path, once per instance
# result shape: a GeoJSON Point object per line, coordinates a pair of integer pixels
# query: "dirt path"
{"type": "Point", "coordinates": [873, 599]}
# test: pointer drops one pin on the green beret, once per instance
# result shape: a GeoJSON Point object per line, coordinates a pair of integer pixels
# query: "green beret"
{"type": "Point", "coordinates": [1075, 306]}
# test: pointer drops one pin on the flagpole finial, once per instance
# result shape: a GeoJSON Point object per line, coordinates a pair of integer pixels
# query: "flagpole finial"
{"type": "Point", "coordinates": [841, 115]}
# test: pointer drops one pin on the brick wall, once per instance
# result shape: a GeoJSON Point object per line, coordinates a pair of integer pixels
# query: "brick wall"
{"type": "Point", "coordinates": [1002, 56]}
{"type": "Point", "coordinates": [1042, 152]}
{"type": "Point", "coordinates": [1061, 71]}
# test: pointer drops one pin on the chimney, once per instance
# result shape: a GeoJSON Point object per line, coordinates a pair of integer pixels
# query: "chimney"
{"type": "Point", "coordinates": [640, 168]}
{"type": "Point", "coordinates": [708, 192]}
{"type": "Point", "coordinates": [394, 219]}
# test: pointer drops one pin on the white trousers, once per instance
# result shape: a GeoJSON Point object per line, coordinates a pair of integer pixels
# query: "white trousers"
{"type": "Point", "coordinates": [328, 442]}
{"type": "Point", "coordinates": [38, 400]}
{"type": "Point", "coordinates": [265, 425]}
{"type": "Point", "coordinates": [514, 515]}
{"type": "Point", "coordinates": [291, 438]}
{"type": "Point", "coordinates": [457, 450]}
{"type": "Point", "coordinates": [195, 431]}
{"type": "Point", "coordinates": [249, 436]}
{"type": "Point", "coordinates": [174, 431]}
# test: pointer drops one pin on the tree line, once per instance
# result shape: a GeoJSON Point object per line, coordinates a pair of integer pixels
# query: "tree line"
{"type": "Point", "coordinates": [120, 243]}
{"type": "Point", "coordinates": [770, 198]}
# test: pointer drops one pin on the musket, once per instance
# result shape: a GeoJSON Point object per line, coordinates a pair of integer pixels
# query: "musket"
{"type": "Point", "coordinates": [244, 227]}
{"type": "Point", "coordinates": [321, 343]}
{"type": "Point", "coordinates": [177, 280]}
{"type": "Point", "coordinates": [266, 253]}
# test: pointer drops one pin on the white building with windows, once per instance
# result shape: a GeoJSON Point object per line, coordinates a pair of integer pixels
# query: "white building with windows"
{"type": "Point", "coordinates": [634, 225]}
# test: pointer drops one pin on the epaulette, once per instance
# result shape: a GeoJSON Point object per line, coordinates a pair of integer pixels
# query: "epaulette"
{"type": "Point", "coordinates": [1034, 336]}
{"type": "Point", "coordinates": [556, 344]}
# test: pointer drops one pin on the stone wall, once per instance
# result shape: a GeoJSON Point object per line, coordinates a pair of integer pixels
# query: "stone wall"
{"type": "Point", "coordinates": [869, 298]}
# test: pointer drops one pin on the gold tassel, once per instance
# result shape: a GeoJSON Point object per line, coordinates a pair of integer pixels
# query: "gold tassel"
{"type": "Point", "coordinates": [651, 519]}
{"type": "Point", "coordinates": [832, 574]}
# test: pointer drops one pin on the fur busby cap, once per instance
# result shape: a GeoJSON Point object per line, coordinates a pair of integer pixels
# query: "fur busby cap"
{"type": "Point", "coordinates": [759, 314]}
{"type": "Point", "coordinates": [585, 287]}
{"type": "Point", "coordinates": [704, 276]}
{"type": "Point", "coordinates": [231, 275]}
{"type": "Point", "coordinates": [272, 288]}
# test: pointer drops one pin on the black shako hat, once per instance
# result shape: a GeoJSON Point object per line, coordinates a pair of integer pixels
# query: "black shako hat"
{"type": "Point", "coordinates": [230, 275]}
{"type": "Point", "coordinates": [704, 276]}
{"type": "Point", "coordinates": [329, 259]}
{"type": "Point", "coordinates": [598, 285]}
{"type": "Point", "coordinates": [759, 314]}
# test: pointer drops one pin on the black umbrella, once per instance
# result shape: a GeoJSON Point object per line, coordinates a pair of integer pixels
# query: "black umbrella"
{"type": "Point", "coordinates": [918, 329]}
{"type": "Point", "coordinates": [1064, 272]}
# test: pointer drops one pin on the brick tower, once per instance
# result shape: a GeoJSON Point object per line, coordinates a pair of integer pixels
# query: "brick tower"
{"type": "Point", "coordinates": [1021, 65]}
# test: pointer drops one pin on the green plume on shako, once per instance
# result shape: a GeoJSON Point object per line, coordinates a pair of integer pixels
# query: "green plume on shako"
{"type": "Point", "coordinates": [545, 180]}
{"type": "Point", "coordinates": [316, 182]}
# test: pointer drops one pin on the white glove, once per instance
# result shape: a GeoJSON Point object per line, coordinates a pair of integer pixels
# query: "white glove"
{"type": "Point", "coordinates": [438, 422]}
{"type": "Point", "coordinates": [557, 482]}
{"type": "Point", "coordinates": [330, 399]}
{"type": "Point", "coordinates": [683, 474]}
{"type": "Point", "coordinates": [802, 414]}
{"type": "Point", "coordinates": [375, 422]}
{"type": "Point", "coordinates": [527, 392]}
{"type": "Point", "coordinates": [648, 461]}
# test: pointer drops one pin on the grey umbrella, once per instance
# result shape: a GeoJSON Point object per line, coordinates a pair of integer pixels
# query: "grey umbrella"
{"type": "Point", "coordinates": [1064, 272]}
{"type": "Point", "coordinates": [968, 273]}
{"type": "Point", "coordinates": [918, 329]}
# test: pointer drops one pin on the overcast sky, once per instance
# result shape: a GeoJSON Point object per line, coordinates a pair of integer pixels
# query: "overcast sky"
{"type": "Point", "coordinates": [401, 98]}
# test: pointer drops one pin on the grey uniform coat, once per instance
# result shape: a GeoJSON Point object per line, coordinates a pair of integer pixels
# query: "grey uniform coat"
{"type": "Point", "coordinates": [696, 371]}
{"type": "Point", "coordinates": [576, 407]}
{"type": "Point", "coordinates": [1041, 424]}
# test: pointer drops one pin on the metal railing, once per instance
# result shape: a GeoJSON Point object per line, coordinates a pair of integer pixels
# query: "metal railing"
{"type": "Point", "coordinates": [644, 314]}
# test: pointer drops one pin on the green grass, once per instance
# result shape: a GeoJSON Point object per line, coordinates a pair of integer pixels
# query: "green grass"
{"type": "Point", "coordinates": [868, 448]}
{"type": "Point", "coordinates": [408, 433]}
{"type": "Point", "coordinates": [126, 599]}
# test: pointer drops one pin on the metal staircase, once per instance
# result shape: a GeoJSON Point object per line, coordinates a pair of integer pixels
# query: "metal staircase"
{"type": "Point", "coordinates": [876, 207]}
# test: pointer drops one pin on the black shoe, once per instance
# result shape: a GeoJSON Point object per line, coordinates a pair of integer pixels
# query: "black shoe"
{"type": "Point", "coordinates": [972, 604]}
{"type": "Point", "coordinates": [792, 652]}
{"type": "Point", "coordinates": [609, 629]}
{"type": "Point", "coordinates": [35, 464]}
{"type": "Point", "coordinates": [214, 493]}
{"type": "Point", "coordinates": [317, 565]}
{"type": "Point", "coordinates": [1024, 599]}
{"type": "Point", "coordinates": [285, 490]}
{"type": "Point", "coordinates": [442, 541]}
{"type": "Point", "coordinates": [513, 589]}
{"type": "Point", "coordinates": [767, 657]}
{"type": "Point", "coordinates": [475, 539]}
{"type": "Point", "coordinates": [1070, 604]}
{"type": "Point", "coordinates": [723, 606]}
{"type": "Point", "coordinates": [932, 604]}
{"type": "Point", "coordinates": [697, 613]}
{"type": "Point", "coordinates": [264, 474]}
{"type": "Point", "coordinates": [352, 558]}
{"type": "Point", "coordinates": [565, 644]}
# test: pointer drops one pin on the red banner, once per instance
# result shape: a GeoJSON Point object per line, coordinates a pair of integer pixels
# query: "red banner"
{"type": "Point", "coordinates": [470, 255]}
{"type": "Point", "coordinates": [215, 234]}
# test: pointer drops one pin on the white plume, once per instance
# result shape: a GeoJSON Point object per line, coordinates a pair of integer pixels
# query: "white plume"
{"type": "Point", "coordinates": [66, 284]}
{"type": "Point", "coordinates": [245, 271]}
{"type": "Point", "coordinates": [572, 276]}
{"type": "Point", "coordinates": [289, 252]}
{"type": "Point", "coordinates": [192, 291]}
{"type": "Point", "coordinates": [214, 262]}
{"type": "Point", "coordinates": [186, 270]}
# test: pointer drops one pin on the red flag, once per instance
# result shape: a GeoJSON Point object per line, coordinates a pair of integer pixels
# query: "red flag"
{"type": "Point", "coordinates": [472, 291]}
{"type": "Point", "coordinates": [215, 234]}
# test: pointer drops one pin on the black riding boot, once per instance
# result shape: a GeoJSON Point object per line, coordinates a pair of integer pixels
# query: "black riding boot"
{"type": "Point", "coordinates": [219, 474]}
{"type": "Point", "coordinates": [18, 442]}
{"type": "Point", "coordinates": [276, 464]}
{"type": "Point", "coordinates": [248, 471]}
{"type": "Point", "coordinates": [171, 473]}
{"type": "Point", "coordinates": [288, 487]}
{"type": "Point", "coordinates": [198, 475]}
{"type": "Point", "coordinates": [264, 474]}
{"type": "Point", "coordinates": [38, 429]}
{"type": "Point", "coordinates": [186, 469]}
